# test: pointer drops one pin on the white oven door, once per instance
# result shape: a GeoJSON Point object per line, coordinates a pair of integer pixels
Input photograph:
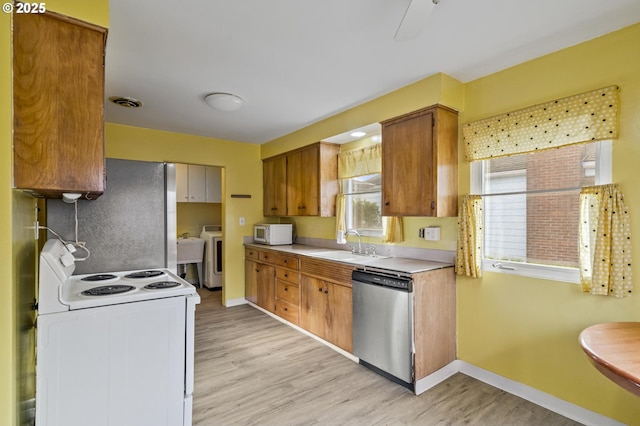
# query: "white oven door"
{"type": "Point", "coordinates": [119, 365]}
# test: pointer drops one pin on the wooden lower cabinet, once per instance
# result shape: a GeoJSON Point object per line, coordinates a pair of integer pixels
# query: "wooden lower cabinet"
{"type": "Point", "coordinates": [266, 287]}
{"type": "Point", "coordinates": [259, 282]}
{"type": "Point", "coordinates": [326, 311]}
{"type": "Point", "coordinates": [251, 281]}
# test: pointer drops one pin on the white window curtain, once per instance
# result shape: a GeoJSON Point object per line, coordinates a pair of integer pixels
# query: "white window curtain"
{"type": "Point", "coordinates": [605, 242]}
{"type": "Point", "coordinates": [362, 162]}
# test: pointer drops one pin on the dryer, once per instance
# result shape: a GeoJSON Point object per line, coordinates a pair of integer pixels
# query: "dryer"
{"type": "Point", "coordinates": [212, 236]}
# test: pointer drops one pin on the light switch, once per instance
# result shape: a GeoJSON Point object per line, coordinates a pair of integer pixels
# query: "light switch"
{"type": "Point", "coordinates": [241, 220]}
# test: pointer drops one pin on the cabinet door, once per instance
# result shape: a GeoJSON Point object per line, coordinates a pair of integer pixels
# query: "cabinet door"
{"type": "Point", "coordinates": [197, 184]}
{"type": "Point", "coordinates": [251, 281]}
{"type": "Point", "coordinates": [58, 105]}
{"type": "Point", "coordinates": [275, 187]}
{"type": "Point", "coordinates": [266, 287]}
{"type": "Point", "coordinates": [310, 164]}
{"type": "Point", "coordinates": [213, 184]}
{"type": "Point", "coordinates": [313, 305]}
{"type": "Point", "coordinates": [340, 319]}
{"type": "Point", "coordinates": [182, 183]}
{"type": "Point", "coordinates": [295, 187]}
{"type": "Point", "coordinates": [407, 167]}
{"type": "Point", "coordinates": [303, 183]}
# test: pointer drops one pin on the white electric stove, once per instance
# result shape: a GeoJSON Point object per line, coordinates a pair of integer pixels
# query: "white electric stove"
{"type": "Point", "coordinates": [113, 348]}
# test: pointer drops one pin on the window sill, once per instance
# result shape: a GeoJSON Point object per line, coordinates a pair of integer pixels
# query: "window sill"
{"type": "Point", "coordinates": [530, 270]}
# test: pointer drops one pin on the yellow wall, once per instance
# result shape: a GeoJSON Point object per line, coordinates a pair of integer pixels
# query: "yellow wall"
{"type": "Point", "coordinates": [243, 175]}
{"type": "Point", "coordinates": [7, 305]}
{"type": "Point", "coordinates": [527, 329]}
{"type": "Point", "coordinates": [191, 217]}
{"type": "Point", "coordinates": [17, 276]}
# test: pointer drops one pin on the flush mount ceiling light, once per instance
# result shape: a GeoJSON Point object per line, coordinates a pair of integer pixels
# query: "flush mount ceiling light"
{"type": "Point", "coordinates": [224, 101]}
{"type": "Point", "coordinates": [123, 101]}
{"type": "Point", "coordinates": [358, 134]}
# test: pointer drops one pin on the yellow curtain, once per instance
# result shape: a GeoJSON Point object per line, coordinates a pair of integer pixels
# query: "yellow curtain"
{"type": "Point", "coordinates": [469, 256]}
{"type": "Point", "coordinates": [340, 217]}
{"type": "Point", "coordinates": [394, 230]}
{"type": "Point", "coordinates": [360, 162]}
{"type": "Point", "coordinates": [605, 242]}
{"type": "Point", "coordinates": [586, 117]}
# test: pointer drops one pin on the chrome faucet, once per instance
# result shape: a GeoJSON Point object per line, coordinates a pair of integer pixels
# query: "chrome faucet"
{"type": "Point", "coordinates": [354, 232]}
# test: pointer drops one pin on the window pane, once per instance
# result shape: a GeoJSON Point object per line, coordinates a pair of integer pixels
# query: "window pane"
{"type": "Point", "coordinates": [359, 184]}
{"type": "Point", "coordinates": [567, 167]}
{"type": "Point", "coordinates": [539, 227]}
{"type": "Point", "coordinates": [365, 211]}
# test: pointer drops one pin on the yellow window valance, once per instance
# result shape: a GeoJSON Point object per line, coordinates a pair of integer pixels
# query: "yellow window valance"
{"type": "Point", "coordinates": [586, 117]}
{"type": "Point", "coordinates": [360, 162]}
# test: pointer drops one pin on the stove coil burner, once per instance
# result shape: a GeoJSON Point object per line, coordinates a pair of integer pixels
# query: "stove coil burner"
{"type": "Point", "coordinates": [145, 274]}
{"type": "Point", "coordinates": [99, 277]}
{"type": "Point", "coordinates": [162, 285]}
{"type": "Point", "coordinates": [108, 290]}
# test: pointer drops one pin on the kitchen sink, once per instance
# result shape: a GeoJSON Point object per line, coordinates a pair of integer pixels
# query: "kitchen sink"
{"type": "Point", "coordinates": [346, 256]}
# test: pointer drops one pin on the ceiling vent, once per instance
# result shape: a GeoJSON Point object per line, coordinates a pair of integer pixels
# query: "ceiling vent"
{"type": "Point", "coordinates": [126, 102]}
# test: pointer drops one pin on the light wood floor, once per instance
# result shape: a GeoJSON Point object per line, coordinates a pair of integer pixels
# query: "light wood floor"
{"type": "Point", "coordinates": [250, 369]}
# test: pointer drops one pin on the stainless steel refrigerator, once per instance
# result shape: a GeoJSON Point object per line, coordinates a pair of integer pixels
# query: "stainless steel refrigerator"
{"type": "Point", "coordinates": [131, 226]}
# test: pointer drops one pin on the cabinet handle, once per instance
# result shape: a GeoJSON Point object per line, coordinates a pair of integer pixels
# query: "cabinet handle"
{"type": "Point", "coordinates": [326, 292]}
{"type": "Point", "coordinates": [274, 208]}
{"type": "Point", "coordinates": [257, 270]}
{"type": "Point", "coordinates": [286, 289]}
{"type": "Point", "coordinates": [387, 203]}
{"type": "Point", "coordinates": [285, 261]}
{"type": "Point", "coordinates": [433, 205]}
{"type": "Point", "coordinates": [320, 290]}
{"type": "Point", "coordinates": [286, 309]}
{"type": "Point", "coordinates": [286, 275]}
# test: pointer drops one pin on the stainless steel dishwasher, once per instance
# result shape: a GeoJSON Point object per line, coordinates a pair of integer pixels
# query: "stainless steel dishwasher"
{"type": "Point", "coordinates": [383, 324]}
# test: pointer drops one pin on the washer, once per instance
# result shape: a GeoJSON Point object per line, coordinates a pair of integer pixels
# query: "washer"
{"type": "Point", "coordinates": [212, 235]}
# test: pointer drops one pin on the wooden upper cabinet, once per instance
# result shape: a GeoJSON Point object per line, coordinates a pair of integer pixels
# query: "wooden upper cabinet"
{"type": "Point", "coordinates": [303, 181]}
{"type": "Point", "coordinates": [275, 186]}
{"type": "Point", "coordinates": [58, 105]}
{"type": "Point", "coordinates": [420, 163]}
{"type": "Point", "coordinates": [311, 181]}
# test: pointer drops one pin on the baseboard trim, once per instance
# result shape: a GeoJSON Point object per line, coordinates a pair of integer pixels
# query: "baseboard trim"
{"type": "Point", "coordinates": [543, 399]}
{"type": "Point", "coordinates": [303, 331]}
{"type": "Point", "coordinates": [436, 377]}
{"type": "Point", "coordinates": [236, 302]}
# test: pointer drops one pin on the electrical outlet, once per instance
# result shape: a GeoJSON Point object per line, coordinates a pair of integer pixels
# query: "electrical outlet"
{"type": "Point", "coordinates": [421, 233]}
{"type": "Point", "coordinates": [432, 233]}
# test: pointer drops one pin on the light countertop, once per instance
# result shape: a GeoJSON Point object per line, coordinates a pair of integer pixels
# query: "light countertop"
{"type": "Point", "coordinates": [394, 264]}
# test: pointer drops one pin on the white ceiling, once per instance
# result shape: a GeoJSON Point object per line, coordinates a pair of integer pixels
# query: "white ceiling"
{"type": "Point", "coordinates": [296, 62]}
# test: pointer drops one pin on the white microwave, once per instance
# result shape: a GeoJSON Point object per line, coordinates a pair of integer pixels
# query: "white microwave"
{"type": "Point", "coordinates": [273, 234]}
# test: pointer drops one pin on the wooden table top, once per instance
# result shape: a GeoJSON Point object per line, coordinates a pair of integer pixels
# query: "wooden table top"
{"type": "Point", "coordinates": [614, 349]}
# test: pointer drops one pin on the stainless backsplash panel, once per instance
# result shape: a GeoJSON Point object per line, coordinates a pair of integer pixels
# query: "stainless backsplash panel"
{"type": "Point", "coordinates": [126, 227]}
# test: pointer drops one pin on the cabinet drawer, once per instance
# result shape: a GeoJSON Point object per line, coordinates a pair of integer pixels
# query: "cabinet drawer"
{"type": "Point", "coordinates": [250, 253]}
{"type": "Point", "coordinates": [288, 261]}
{"type": "Point", "coordinates": [267, 256]}
{"type": "Point", "coordinates": [288, 275]}
{"type": "Point", "coordinates": [288, 311]}
{"type": "Point", "coordinates": [287, 292]}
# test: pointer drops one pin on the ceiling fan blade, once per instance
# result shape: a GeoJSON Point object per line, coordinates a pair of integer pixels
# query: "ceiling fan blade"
{"type": "Point", "coordinates": [414, 19]}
